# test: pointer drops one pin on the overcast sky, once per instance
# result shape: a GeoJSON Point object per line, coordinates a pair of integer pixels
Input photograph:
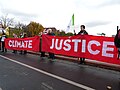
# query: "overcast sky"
{"type": "Point", "coordinates": [99, 16]}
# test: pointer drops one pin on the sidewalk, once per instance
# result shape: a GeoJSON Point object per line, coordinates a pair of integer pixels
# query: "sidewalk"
{"type": "Point", "coordinates": [88, 61]}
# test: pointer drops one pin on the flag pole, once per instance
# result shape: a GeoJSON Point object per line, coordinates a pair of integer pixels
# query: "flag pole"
{"type": "Point", "coordinates": [117, 28]}
{"type": "Point", "coordinates": [71, 24]}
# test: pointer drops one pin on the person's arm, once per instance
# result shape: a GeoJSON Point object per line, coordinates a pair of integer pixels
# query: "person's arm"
{"type": "Point", "coordinates": [74, 32]}
{"type": "Point", "coordinates": [86, 33]}
{"type": "Point", "coordinates": [80, 33]}
{"type": "Point", "coordinates": [6, 36]}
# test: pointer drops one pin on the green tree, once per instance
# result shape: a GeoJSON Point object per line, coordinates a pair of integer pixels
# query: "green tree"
{"type": "Point", "coordinates": [62, 33]}
{"type": "Point", "coordinates": [69, 34]}
{"type": "Point", "coordinates": [57, 33]}
{"type": "Point", "coordinates": [34, 28]}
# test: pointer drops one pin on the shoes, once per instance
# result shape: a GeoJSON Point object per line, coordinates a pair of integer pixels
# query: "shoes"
{"type": "Point", "coordinates": [20, 53]}
{"type": "Point", "coordinates": [13, 52]}
{"type": "Point", "coordinates": [42, 58]}
{"type": "Point", "coordinates": [82, 62]}
{"type": "Point", "coordinates": [24, 53]}
{"type": "Point", "coordinates": [51, 60]}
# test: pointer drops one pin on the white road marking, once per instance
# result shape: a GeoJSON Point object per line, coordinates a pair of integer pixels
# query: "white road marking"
{"type": "Point", "coordinates": [51, 75]}
{"type": "Point", "coordinates": [0, 88]}
{"type": "Point", "coordinates": [47, 86]}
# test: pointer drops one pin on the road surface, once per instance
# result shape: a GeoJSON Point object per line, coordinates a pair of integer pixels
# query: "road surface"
{"type": "Point", "coordinates": [29, 72]}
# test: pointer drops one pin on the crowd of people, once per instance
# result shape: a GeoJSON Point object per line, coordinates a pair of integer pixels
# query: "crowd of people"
{"type": "Point", "coordinates": [4, 36]}
{"type": "Point", "coordinates": [50, 33]}
{"type": "Point", "coordinates": [2, 39]}
{"type": "Point", "coordinates": [51, 55]}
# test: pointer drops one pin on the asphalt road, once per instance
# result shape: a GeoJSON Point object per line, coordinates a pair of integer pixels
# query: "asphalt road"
{"type": "Point", "coordinates": [29, 72]}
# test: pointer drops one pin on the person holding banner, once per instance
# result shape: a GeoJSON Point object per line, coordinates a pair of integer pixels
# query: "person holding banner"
{"type": "Point", "coordinates": [2, 30]}
{"type": "Point", "coordinates": [23, 36]}
{"type": "Point", "coordinates": [3, 37]}
{"type": "Point", "coordinates": [51, 55]}
{"type": "Point", "coordinates": [42, 53]}
{"type": "Point", "coordinates": [117, 42]}
{"type": "Point", "coordinates": [25, 51]}
{"type": "Point", "coordinates": [15, 36]}
{"type": "Point", "coordinates": [82, 32]}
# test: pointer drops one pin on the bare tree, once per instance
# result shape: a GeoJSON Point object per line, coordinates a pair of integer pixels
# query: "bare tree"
{"type": "Point", "coordinates": [19, 25]}
{"type": "Point", "coordinates": [6, 21]}
{"type": "Point", "coordinates": [20, 28]}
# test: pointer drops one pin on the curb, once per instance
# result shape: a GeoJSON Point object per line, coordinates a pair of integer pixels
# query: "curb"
{"type": "Point", "coordinates": [88, 61]}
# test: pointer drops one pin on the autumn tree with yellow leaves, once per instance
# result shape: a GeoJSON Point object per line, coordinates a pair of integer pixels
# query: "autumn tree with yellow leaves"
{"type": "Point", "coordinates": [34, 29]}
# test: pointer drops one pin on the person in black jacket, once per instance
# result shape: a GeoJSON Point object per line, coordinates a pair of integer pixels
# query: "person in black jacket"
{"type": "Point", "coordinates": [82, 32]}
{"type": "Point", "coordinates": [25, 36]}
{"type": "Point", "coordinates": [117, 42]}
{"type": "Point", "coordinates": [42, 52]}
{"type": "Point", "coordinates": [51, 55]}
{"type": "Point", "coordinates": [15, 36]}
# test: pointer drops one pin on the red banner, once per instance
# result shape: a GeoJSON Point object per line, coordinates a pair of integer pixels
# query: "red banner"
{"type": "Point", "coordinates": [31, 43]}
{"type": "Point", "coordinates": [92, 47]}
